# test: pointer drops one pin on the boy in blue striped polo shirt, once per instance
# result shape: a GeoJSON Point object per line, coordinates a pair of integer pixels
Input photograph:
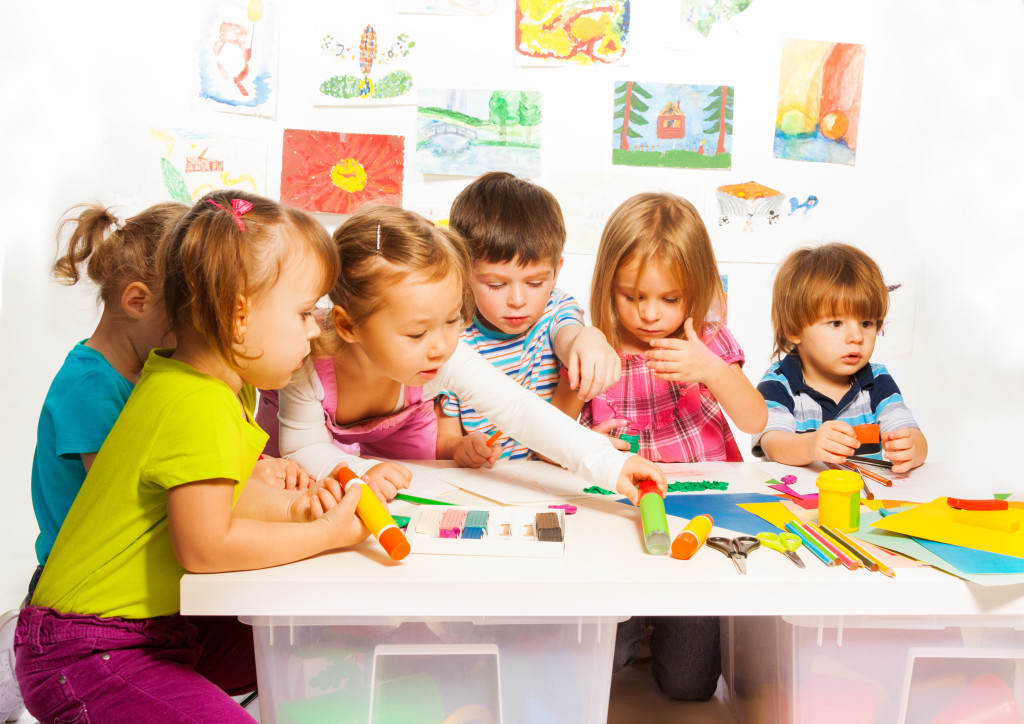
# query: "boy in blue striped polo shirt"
{"type": "Point", "coordinates": [828, 304]}
{"type": "Point", "coordinates": [523, 325]}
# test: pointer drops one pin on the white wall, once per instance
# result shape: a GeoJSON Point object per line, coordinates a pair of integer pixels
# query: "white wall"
{"type": "Point", "coordinates": [934, 195]}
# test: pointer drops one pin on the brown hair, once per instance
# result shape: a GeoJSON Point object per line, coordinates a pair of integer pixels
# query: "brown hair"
{"type": "Point", "coordinates": [825, 281]}
{"type": "Point", "coordinates": [118, 252]}
{"type": "Point", "coordinates": [504, 218]}
{"type": "Point", "coordinates": [409, 244]}
{"type": "Point", "coordinates": [662, 229]}
{"type": "Point", "coordinates": [210, 261]}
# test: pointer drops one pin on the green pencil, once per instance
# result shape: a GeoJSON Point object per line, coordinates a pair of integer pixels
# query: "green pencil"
{"type": "Point", "coordinates": [421, 501]}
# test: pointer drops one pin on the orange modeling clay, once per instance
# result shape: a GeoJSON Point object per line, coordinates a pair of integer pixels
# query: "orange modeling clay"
{"type": "Point", "coordinates": [867, 434]}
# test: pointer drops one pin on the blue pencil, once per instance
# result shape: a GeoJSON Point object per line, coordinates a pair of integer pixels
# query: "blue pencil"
{"type": "Point", "coordinates": [810, 545]}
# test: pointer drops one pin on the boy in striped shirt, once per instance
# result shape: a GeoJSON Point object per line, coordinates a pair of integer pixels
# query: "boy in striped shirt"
{"type": "Point", "coordinates": [523, 325]}
{"type": "Point", "coordinates": [828, 304]}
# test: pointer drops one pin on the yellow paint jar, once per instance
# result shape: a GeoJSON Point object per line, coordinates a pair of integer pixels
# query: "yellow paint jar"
{"type": "Point", "coordinates": [839, 499]}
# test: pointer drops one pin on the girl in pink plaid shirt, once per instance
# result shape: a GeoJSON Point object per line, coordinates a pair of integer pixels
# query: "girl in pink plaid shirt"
{"type": "Point", "coordinates": [656, 288]}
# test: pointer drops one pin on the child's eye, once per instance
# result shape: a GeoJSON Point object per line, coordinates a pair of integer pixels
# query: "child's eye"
{"type": "Point", "coordinates": [416, 336]}
{"type": "Point", "coordinates": [835, 323]}
{"type": "Point", "coordinates": [496, 285]}
{"type": "Point", "coordinates": [454, 320]}
{"type": "Point", "coordinates": [670, 300]}
{"type": "Point", "coordinates": [535, 285]}
{"type": "Point", "coordinates": [867, 323]}
{"type": "Point", "coordinates": [307, 315]}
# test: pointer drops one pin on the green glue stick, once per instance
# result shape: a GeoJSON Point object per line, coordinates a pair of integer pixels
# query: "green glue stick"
{"type": "Point", "coordinates": [652, 513]}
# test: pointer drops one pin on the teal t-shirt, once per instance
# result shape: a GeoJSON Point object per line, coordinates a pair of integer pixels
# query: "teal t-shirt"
{"type": "Point", "coordinates": [81, 406]}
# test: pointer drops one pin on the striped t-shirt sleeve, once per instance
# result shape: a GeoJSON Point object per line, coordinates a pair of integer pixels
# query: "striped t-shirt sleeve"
{"type": "Point", "coordinates": [781, 407]}
{"type": "Point", "coordinates": [891, 411]}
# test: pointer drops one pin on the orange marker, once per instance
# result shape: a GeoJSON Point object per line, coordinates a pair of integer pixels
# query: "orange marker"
{"type": "Point", "coordinates": [692, 537]}
{"type": "Point", "coordinates": [374, 515]}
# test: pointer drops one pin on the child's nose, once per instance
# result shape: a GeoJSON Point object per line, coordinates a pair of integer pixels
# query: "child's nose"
{"type": "Point", "coordinates": [516, 296]}
{"type": "Point", "coordinates": [648, 310]}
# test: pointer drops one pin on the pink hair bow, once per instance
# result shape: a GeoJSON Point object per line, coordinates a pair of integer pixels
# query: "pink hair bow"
{"type": "Point", "coordinates": [239, 207]}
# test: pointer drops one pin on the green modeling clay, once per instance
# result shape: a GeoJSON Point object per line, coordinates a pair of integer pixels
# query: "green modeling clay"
{"type": "Point", "coordinates": [678, 487]}
{"type": "Point", "coordinates": [594, 490]}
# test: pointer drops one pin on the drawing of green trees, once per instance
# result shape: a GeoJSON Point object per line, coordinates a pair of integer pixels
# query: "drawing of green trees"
{"type": "Point", "coordinates": [504, 110]}
{"type": "Point", "coordinates": [719, 119]}
{"type": "Point", "coordinates": [628, 106]}
{"type": "Point", "coordinates": [529, 112]}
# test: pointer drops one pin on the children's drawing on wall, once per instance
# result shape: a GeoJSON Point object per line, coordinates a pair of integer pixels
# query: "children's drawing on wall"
{"type": "Point", "coordinates": [336, 173]}
{"type": "Point", "coordinates": [819, 101]}
{"type": "Point", "coordinates": [447, 7]}
{"type": "Point", "coordinates": [796, 205]}
{"type": "Point", "coordinates": [704, 15]}
{"type": "Point", "coordinates": [896, 337]}
{"type": "Point", "coordinates": [366, 62]}
{"type": "Point", "coordinates": [745, 202]}
{"type": "Point", "coordinates": [468, 132]}
{"type": "Point", "coordinates": [679, 126]}
{"type": "Point", "coordinates": [237, 56]}
{"type": "Point", "coordinates": [186, 165]}
{"type": "Point", "coordinates": [575, 31]}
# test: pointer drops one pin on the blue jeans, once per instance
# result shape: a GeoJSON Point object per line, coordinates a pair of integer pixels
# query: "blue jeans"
{"type": "Point", "coordinates": [686, 656]}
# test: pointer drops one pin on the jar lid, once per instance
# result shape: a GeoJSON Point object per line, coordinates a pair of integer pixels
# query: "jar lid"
{"type": "Point", "coordinates": [839, 481]}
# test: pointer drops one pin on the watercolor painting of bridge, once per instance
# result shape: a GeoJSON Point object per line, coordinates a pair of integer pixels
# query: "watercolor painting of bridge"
{"type": "Point", "coordinates": [462, 132]}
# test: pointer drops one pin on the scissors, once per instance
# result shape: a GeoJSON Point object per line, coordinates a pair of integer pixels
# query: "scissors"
{"type": "Point", "coordinates": [736, 548]}
{"type": "Point", "coordinates": [784, 543]}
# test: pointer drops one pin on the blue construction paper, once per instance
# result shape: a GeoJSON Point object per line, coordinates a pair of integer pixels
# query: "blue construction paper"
{"type": "Point", "coordinates": [723, 509]}
{"type": "Point", "coordinates": [972, 560]}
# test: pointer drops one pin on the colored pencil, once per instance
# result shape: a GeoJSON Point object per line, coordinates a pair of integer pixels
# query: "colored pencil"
{"type": "Point", "coordinates": [867, 473]}
{"type": "Point", "coordinates": [846, 549]}
{"type": "Point", "coordinates": [421, 501]}
{"type": "Point", "coordinates": [809, 544]}
{"type": "Point", "coordinates": [853, 544]}
{"type": "Point", "coordinates": [841, 553]}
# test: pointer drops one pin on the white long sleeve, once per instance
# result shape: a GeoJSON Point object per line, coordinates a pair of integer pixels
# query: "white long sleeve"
{"type": "Point", "coordinates": [521, 414]}
{"type": "Point", "coordinates": [518, 412]}
{"type": "Point", "coordinates": [304, 436]}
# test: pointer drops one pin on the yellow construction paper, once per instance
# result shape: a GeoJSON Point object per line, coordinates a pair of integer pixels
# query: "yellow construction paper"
{"type": "Point", "coordinates": [775, 513]}
{"type": "Point", "coordinates": [936, 521]}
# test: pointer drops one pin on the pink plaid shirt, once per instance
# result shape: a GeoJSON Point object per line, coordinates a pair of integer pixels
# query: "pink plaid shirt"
{"type": "Point", "coordinates": [676, 421]}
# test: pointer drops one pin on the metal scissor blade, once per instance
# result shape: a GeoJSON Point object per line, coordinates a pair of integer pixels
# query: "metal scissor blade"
{"type": "Point", "coordinates": [791, 555]}
{"type": "Point", "coordinates": [741, 563]}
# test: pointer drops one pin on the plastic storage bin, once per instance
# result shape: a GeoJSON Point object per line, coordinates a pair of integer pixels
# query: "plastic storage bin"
{"type": "Point", "coordinates": [868, 670]}
{"type": "Point", "coordinates": [405, 670]}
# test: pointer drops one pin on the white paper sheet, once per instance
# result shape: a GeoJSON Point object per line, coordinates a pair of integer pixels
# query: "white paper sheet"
{"type": "Point", "coordinates": [516, 483]}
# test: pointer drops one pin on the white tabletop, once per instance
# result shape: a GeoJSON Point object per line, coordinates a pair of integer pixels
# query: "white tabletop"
{"type": "Point", "coordinates": [604, 572]}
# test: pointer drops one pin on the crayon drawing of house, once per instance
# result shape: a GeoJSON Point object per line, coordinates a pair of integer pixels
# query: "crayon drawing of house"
{"type": "Point", "coordinates": [671, 121]}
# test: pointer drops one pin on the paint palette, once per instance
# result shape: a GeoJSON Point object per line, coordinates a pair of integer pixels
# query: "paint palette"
{"type": "Point", "coordinates": [475, 531]}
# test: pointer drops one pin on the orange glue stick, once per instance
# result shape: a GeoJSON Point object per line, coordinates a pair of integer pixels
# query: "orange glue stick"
{"type": "Point", "coordinates": [692, 538]}
{"type": "Point", "coordinates": [375, 515]}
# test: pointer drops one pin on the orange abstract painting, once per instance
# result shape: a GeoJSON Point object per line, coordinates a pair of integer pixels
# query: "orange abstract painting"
{"type": "Point", "coordinates": [337, 173]}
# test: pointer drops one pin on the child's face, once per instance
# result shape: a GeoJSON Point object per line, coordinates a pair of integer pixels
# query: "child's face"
{"type": "Point", "coordinates": [511, 298]}
{"type": "Point", "coordinates": [415, 330]}
{"type": "Point", "coordinates": [651, 307]}
{"type": "Point", "coordinates": [834, 348]}
{"type": "Point", "coordinates": [279, 325]}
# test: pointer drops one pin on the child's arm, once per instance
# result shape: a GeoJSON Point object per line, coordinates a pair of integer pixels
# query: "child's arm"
{"type": "Point", "coordinates": [830, 443]}
{"type": "Point", "coordinates": [210, 536]}
{"type": "Point", "coordinates": [592, 363]}
{"type": "Point", "coordinates": [526, 417]}
{"type": "Point", "coordinates": [690, 360]}
{"type": "Point", "coordinates": [906, 448]}
{"type": "Point", "coordinates": [469, 451]}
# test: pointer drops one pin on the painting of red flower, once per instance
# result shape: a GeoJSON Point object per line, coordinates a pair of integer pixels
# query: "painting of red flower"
{"type": "Point", "coordinates": [337, 173]}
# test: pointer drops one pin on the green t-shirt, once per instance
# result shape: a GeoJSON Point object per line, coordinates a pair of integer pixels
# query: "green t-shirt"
{"type": "Point", "coordinates": [113, 555]}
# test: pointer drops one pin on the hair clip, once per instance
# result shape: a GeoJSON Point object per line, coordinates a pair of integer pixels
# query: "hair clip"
{"type": "Point", "coordinates": [238, 207]}
{"type": "Point", "coordinates": [378, 237]}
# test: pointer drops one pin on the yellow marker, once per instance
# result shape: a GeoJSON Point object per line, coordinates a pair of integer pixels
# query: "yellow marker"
{"type": "Point", "coordinates": [375, 515]}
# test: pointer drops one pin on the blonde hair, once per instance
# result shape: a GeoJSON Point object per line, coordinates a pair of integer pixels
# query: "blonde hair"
{"type": "Point", "coordinates": [504, 218]}
{"type": "Point", "coordinates": [210, 261]}
{"type": "Point", "coordinates": [831, 280]}
{"type": "Point", "coordinates": [115, 252]}
{"type": "Point", "coordinates": [661, 229]}
{"type": "Point", "coordinates": [379, 247]}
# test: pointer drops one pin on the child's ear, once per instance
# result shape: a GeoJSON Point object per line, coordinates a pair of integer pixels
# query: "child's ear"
{"type": "Point", "coordinates": [343, 323]}
{"type": "Point", "coordinates": [558, 269]}
{"type": "Point", "coordinates": [136, 299]}
{"type": "Point", "coordinates": [239, 319]}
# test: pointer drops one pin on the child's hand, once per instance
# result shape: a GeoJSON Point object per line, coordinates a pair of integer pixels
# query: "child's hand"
{"type": "Point", "coordinates": [832, 442]}
{"type": "Point", "coordinates": [315, 501]}
{"type": "Point", "coordinates": [346, 527]}
{"type": "Point", "coordinates": [684, 360]}
{"type": "Point", "coordinates": [606, 427]}
{"type": "Point", "coordinates": [280, 473]}
{"type": "Point", "coordinates": [386, 479]}
{"type": "Point", "coordinates": [635, 470]}
{"type": "Point", "coordinates": [593, 365]}
{"type": "Point", "coordinates": [900, 449]}
{"type": "Point", "coordinates": [472, 451]}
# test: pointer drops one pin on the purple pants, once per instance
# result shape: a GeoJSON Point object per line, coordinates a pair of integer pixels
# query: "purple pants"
{"type": "Point", "coordinates": [89, 669]}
